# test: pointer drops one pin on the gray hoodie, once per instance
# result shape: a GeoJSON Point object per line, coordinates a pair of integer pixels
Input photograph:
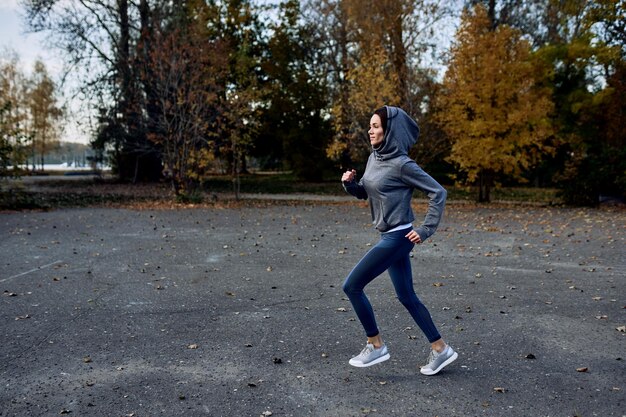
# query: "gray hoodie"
{"type": "Point", "coordinates": [391, 175]}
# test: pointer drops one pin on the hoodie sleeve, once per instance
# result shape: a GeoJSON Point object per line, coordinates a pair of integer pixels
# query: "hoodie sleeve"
{"type": "Point", "coordinates": [417, 178]}
{"type": "Point", "coordinates": [355, 188]}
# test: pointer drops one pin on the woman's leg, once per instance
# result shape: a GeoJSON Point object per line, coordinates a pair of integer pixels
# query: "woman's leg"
{"type": "Point", "coordinates": [402, 278]}
{"type": "Point", "coordinates": [374, 263]}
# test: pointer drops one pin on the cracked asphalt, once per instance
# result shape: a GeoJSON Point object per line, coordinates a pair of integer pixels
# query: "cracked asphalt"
{"type": "Point", "coordinates": [239, 312]}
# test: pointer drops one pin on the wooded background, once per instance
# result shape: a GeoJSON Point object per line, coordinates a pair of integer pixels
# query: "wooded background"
{"type": "Point", "coordinates": [517, 92]}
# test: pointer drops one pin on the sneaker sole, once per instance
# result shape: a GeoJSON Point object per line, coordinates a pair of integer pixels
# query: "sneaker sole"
{"type": "Point", "coordinates": [374, 362]}
{"type": "Point", "coordinates": [443, 365]}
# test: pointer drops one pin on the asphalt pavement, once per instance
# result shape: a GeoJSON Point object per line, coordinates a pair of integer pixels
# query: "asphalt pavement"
{"type": "Point", "coordinates": [239, 312]}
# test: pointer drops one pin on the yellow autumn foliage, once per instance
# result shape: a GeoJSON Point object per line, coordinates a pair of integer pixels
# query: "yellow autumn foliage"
{"type": "Point", "coordinates": [492, 105]}
{"type": "Point", "coordinates": [372, 84]}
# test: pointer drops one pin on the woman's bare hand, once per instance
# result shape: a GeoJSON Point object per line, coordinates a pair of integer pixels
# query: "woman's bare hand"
{"type": "Point", "coordinates": [348, 176]}
{"type": "Point", "coordinates": [414, 237]}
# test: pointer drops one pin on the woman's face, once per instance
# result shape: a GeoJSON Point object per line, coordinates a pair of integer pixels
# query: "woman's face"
{"type": "Point", "coordinates": [376, 131]}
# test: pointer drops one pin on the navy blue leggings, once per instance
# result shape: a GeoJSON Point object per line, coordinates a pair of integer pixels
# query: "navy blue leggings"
{"type": "Point", "coordinates": [391, 254]}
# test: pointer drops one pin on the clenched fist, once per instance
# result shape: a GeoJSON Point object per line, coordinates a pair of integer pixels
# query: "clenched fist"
{"type": "Point", "coordinates": [348, 176]}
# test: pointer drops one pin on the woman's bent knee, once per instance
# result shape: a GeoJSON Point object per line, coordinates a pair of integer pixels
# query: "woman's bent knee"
{"type": "Point", "coordinates": [409, 301]}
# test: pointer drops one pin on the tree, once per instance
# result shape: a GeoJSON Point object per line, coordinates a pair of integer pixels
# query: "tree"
{"type": "Point", "coordinates": [372, 84]}
{"type": "Point", "coordinates": [375, 50]}
{"type": "Point", "coordinates": [333, 36]}
{"type": "Point", "coordinates": [99, 38]}
{"type": "Point", "coordinates": [293, 130]}
{"type": "Point", "coordinates": [45, 114]}
{"type": "Point", "coordinates": [236, 23]}
{"type": "Point", "coordinates": [585, 49]}
{"type": "Point", "coordinates": [492, 106]}
{"type": "Point", "coordinates": [13, 115]}
{"type": "Point", "coordinates": [181, 73]}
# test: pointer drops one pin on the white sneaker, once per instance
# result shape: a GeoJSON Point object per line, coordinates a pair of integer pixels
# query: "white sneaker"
{"type": "Point", "coordinates": [438, 361]}
{"type": "Point", "coordinates": [370, 356]}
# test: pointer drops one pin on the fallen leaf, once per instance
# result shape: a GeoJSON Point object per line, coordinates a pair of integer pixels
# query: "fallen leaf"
{"type": "Point", "coordinates": [498, 389]}
{"type": "Point", "coordinates": [342, 309]}
{"type": "Point", "coordinates": [192, 346]}
{"type": "Point", "coordinates": [583, 369]}
{"type": "Point", "coordinates": [621, 329]}
{"type": "Point", "coordinates": [87, 359]}
{"type": "Point", "coordinates": [26, 316]}
{"type": "Point", "coordinates": [438, 284]}
{"type": "Point", "coordinates": [530, 356]}
{"type": "Point", "coordinates": [596, 298]}
{"type": "Point", "coordinates": [266, 414]}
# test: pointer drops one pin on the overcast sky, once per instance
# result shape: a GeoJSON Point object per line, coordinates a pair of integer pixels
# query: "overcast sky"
{"type": "Point", "coordinates": [13, 35]}
{"type": "Point", "coordinates": [30, 47]}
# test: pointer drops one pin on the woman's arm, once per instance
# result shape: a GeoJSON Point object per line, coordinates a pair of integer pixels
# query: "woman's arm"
{"type": "Point", "coordinates": [348, 180]}
{"type": "Point", "coordinates": [416, 177]}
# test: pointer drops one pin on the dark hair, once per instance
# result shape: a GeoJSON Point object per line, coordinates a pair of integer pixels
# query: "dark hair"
{"type": "Point", "coordinates": [382, 113]}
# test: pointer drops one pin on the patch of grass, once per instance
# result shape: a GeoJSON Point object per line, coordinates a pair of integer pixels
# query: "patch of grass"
{"type": "Point", "coordinates": [527, 194]}
{"type": "Point", "coordinates": [271, 184]}
{"type": "Point", "coordinates": [18, 199]}
{"type": "Point", "coordinates": [194, 197]}
{"type": "Point", "coordinates": [547, 196]}
{"type": "Point", "coordinates": [55, 193]}
{"type": "Point", "coordinates": [287, 184]}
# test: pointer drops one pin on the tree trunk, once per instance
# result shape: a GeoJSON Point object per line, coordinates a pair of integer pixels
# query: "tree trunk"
{"type": "Point", "coordinates": [485, 182]}
{"type": "Point", "coordinates": [492, 14]}
{"type": "Point", "coordinates": [399, 56]}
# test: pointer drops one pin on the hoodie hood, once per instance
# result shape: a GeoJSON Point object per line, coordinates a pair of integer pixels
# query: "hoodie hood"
{"type": "Point", "coordinates": [401, 133]}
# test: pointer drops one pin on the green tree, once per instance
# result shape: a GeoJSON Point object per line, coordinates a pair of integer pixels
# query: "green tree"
{"type": "Point", "coordinates": [293, 130]}
{"type": "Point", "coordinates": [236, 23]}
{"type": "Point", "coordinates": [586, 51]}
{"type": "Point", "coordinates": [492, 106]}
